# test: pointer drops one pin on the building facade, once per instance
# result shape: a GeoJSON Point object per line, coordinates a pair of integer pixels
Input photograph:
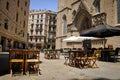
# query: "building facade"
{"type": "Point", "coordinates": [76, 16]}
{"type": "Point", "coordinates": [42, 29]}
{"type": "Point", "coordinates": [13, 23]}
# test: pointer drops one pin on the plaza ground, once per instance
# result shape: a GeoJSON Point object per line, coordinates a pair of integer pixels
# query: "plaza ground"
{"type": "Point", "coordinates": [56, 70]}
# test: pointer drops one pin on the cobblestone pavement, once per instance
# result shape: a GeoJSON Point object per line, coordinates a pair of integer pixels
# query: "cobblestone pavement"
{"type": "Point", "coordinates": [56, 70]}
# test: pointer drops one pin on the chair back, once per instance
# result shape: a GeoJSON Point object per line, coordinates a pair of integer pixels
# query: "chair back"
{"type": "Point", "coordinates": [97, 53]}
{"type": "Point", "coordinates": [117, 50]}
{"type": "Point", "coordinates": [32, 54]}
{"type": "Point", "coordinates": [16, 54]}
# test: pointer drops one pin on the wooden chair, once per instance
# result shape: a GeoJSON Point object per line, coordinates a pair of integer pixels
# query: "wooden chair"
{"type": "Point", "coordinates": [47, 55]}
{"type": "Point", "coordinates": [91, 61]}
{"type": "Point", "coordinates": [57, 52]}
{"type": "Point", "coordinates": [71, 59]}
{"type": "Point", "coordinates": [32, 61]}
{"type": "Point", "coordinates": [16, 60]}
{"type": "Point", "coordinates": [66, 56]}
{"type": "Point", "coordinates": [80, 61]}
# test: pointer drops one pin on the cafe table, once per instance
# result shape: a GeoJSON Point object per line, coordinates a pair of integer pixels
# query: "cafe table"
{"type": "Point", "coordinates": [72, 56]}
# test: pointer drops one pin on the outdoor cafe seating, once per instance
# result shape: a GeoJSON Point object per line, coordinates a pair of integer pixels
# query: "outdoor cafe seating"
{"type": "Point", "coordinates": [22, 61]}
{"type": "Point", "coordinates": [115, 56]}
{"type": "Point", "coordinates": [92, 59]}
{"type": "Point", "coordinates": [52, 54]}
{"type": "Point", "coordinates": [66, 55]}
{"type": "Point", "coordinates": [110, 55]}
{"type": "Point", "coordinates": [84, 58]}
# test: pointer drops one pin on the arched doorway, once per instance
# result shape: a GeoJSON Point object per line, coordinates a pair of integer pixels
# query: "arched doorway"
{"type": "Point", "coordinates": [83, 20]}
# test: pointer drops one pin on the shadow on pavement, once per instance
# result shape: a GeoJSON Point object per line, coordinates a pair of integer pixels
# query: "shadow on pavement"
{"type": "Point", "coordinates": [4, 64]}
{"type": "Point", "coordinates": [91, 79]}
{"type": "Point", "coordinates": [75, 79]}
{"type": "Point", "coordinates": [101, 79]}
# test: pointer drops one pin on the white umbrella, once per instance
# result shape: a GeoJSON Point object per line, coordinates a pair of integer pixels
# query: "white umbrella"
{"type": "Point", "coordinates": [78, 38]}
{"type": "Point", "coordinates": [70, 39]}
{"type": "Point", "coordinates": [74, 39]}
{"type": "Point", "coordinates": [81, 38]}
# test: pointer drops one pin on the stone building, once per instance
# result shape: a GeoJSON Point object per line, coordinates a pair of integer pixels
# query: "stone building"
{"type": "Point", "coordinates": [13, 23]}
{"type": "Point", "coordinates": [76, 16]}
{"type": "Point", "coordinates": [42, 29]}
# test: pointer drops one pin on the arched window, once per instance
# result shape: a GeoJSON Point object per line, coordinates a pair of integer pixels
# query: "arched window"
{"type": "Point", "coordinates": [97, 5]}
{"type": "Point", "coordinates": [64, 25]}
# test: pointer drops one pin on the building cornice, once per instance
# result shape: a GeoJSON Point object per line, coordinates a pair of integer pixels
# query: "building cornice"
{"type": "Point", "coordinates": [41, 12]}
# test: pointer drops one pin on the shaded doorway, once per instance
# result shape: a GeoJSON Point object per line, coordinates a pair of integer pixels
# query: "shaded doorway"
{"type": "Point", "coordinates": [3, 43]}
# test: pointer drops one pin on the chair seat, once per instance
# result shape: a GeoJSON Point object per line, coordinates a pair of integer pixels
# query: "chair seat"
{"type": "Point", "coordinates": [16, 60]}
{"type": "Point", "coordinates": [32, 60]}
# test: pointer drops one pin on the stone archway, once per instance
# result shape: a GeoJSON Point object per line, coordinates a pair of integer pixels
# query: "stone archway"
{"type": "Point", "coordinates": [83, 20]}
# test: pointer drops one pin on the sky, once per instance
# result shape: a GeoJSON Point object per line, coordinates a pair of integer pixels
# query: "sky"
{"type": "Point", "coordinates": [44, 4]}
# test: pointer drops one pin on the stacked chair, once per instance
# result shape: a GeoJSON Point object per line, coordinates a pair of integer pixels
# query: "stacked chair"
{"type": "Point", "coordinates": [24, 61]}
{"type": "Point", "coordinates": [16, 59]}
{"type": "Point", "coordinates": [32, 61]}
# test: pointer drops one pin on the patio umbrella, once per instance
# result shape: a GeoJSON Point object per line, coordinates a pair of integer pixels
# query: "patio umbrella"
{"type": "Point", "coordinates": [82, 38]}
{"type": "Point", "coordinates": [70, 39]}
{"type": "Point", "coordinates": [102, 31]}
{"type": "Point", "coordinates": [73, 39]}
{"type": "Point", "coordinates": [78, 38]}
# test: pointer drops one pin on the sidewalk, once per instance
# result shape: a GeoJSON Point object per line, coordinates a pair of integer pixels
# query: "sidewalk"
{"type": "Point", "coordinates": [56, 70]}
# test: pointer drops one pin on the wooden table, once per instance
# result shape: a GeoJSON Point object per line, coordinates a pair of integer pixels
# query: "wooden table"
{"type": "Point", "coordinates": [72, 56]}
{"type": "Point", "coordinates": [79, 58]}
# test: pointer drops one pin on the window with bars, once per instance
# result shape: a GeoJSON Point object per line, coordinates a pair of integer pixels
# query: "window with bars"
{"type": "Point", "coordinates": [32, 26]}
{"type": "Point", "coordinates": [36, 39]}
{"type": "Point", "coordinates": [16, 17]}
{"type": "Point", "coordinates": [6, 23]}
{"type": "Point", "coordinates": [31, 32]}
{"type": "Point", "coordinates": [36, 32]}
{"type": "Point", "coordinates": [37, 16]}
{"type": "Point", "coordinates": [18, 3]}
{"type": "Point", "coordinates": [25, 3]}
{"type": "Point", "coordinates": [7, 5]}
{"type": "Point", "coordinates": [32, 17]}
